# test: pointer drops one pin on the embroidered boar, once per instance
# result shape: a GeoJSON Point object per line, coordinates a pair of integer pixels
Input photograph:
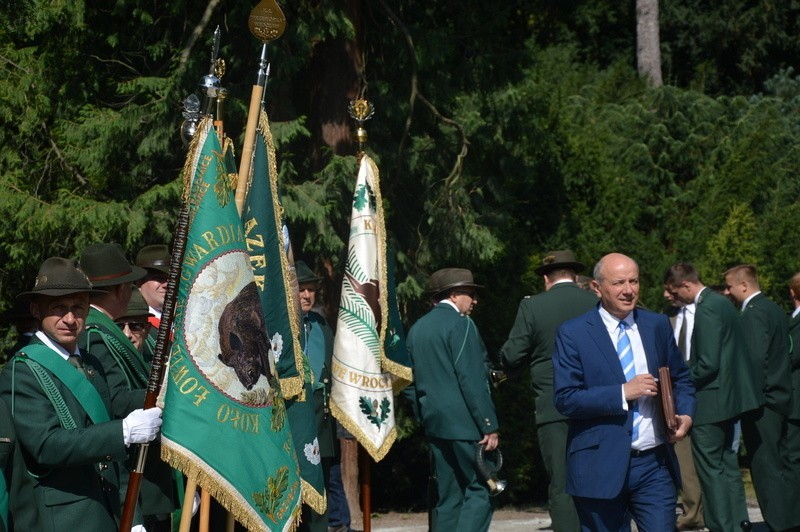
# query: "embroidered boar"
{"type": "Point", "coordinates": [243, 339]}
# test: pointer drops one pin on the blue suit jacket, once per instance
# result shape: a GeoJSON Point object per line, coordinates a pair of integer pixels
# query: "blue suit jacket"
{"type": "Point", "coordinates": [588, 379]}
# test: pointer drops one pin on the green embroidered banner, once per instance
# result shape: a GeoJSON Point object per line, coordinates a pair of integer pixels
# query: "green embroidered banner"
{"type": "Point", "coordinates": [271, 257]}
{"type": "Point", "coordinates": [224, 416]}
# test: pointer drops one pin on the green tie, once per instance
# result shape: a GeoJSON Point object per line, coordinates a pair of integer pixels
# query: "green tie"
{"type": "Point", "coordinates": [76, 361]}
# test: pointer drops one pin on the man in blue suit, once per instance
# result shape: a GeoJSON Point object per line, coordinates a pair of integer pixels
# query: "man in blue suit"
{"type": "Point", "coordinates": [619, 461]}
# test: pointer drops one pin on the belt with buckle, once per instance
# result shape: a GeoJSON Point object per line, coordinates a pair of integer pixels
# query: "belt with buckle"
{"type": "Point", "coordinates": [635, 453]}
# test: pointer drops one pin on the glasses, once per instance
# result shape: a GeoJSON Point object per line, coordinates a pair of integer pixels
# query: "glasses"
{"type": "Point", "coordinates": [134, 326]}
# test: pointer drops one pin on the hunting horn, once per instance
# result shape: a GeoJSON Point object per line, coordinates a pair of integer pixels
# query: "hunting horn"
{"type": "Point", "coordinates": [489, 471]}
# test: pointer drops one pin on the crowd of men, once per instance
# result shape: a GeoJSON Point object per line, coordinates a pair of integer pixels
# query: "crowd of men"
{"type": "Point", "coordinates": [72, 391]}
{"type": "Point", "coordinates": [594, 355]}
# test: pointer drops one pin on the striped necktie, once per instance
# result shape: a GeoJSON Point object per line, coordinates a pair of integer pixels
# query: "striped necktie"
{"type": "Point", "coordinates": [625, 354]}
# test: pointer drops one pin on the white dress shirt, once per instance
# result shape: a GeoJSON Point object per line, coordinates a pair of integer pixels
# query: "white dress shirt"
{"type": "Point", "coordinates": [650, 434]}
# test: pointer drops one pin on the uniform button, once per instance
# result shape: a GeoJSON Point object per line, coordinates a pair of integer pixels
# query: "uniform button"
{"type": "Point", "coordinates": [103, 467]}
{"type": "Point", "coordinates": [108, 458]}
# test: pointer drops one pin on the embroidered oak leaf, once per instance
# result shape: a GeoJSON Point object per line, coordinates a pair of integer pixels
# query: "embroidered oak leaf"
{"type": "Point", "coordinates": [225, 182]}
{"type": "Point", "coordinates": [377, 416]}
{"type": "Point", "coordinates": [268, 501]}
{"type": "Point", "coordinates": [364, 196]}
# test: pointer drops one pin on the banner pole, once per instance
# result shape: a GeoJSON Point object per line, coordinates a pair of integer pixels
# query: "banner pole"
{"type": "Point", "coordinates": [205, 509]}
{"type": "Point", "coordinates": [188, 501]}
{"type": "Point", "coordinates": [160, 358]}
{"type": "Point", "coordinates": [365, 470]}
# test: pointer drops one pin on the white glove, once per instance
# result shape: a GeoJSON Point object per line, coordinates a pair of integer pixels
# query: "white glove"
{"type": "Point", "coordinates": [138, 528]}
{"type": "Point", "coordinates": [141, 426]}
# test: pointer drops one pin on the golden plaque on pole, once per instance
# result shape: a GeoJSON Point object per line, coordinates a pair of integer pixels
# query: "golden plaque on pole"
{"type": "Point", "coordinates": [267, 21]}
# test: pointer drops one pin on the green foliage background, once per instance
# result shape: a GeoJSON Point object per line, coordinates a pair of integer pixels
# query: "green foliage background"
{"type": "Point", "coordinates": [501, 131]}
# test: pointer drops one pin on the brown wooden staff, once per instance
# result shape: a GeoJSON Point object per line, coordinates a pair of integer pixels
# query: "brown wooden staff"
{"type": "Point", "coordinates": [160, 358]}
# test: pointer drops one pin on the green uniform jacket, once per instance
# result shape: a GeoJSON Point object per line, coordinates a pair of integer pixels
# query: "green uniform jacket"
{"type": "Point", "coordinates": [767, 336]}
{"type": "Point", "coordinates": [794, 358]}
{"type": "Point", "coordinates": [533, 339]}
{"type": "Point", "coordinates": [17, 480]}
{"type": "Point", "coordinates": [449, 363]}
{"type": "Point", "coordinates": [124, 370]}
{"type": "Point", "coordinates": [326, 429]}
{"type": "Point", "coordinates": [127, 373]}
{"type": "Point", "coordinates": [77, 484]}
{"type": "Point", "coordinates": [721, 367]}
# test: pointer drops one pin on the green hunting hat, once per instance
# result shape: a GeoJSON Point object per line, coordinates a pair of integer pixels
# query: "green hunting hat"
{"type": "Point", "coordinates": [304, 273]}
{"type": "Point", "coordinates": [137, 305]}
{"type": "Point", "coordinates": [155, 257]}
{"type": "Point", "coordinates": [448, 278]}
{"type": "Point", "coordinates": [105, 265]}
{"type": "Point", "coordinates": [59, 277]}
{"type": "Point", "coordinates": [562, 259]}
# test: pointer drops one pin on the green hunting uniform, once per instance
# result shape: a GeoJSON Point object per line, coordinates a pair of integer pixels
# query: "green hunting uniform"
{"type": "Point", "coordinates": [791, 450]}
{"type": "Point", "coordinates": [76, 469]}
{"type": "Point", "coordinates": [318, 346]}
{"type": "Point", "coordinates": [455, 405]}
{"type": "Point", "coordinates": [127, 374]}
{"type": "Point", "coordinates": [319, 350]}
{"type": "Point", "coordinates": [15, 513]}
{"type": "Point", "coordinates": [532, 340]}
{"type": "Point", "coordinates": [721, 370]}
{"type": "Point", "coordinates": [763, 430]}
{"type": "Point", "coordinates": [122, 364]}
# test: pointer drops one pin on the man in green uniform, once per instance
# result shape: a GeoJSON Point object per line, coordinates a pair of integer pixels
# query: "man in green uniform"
{"type": "Point", "coordinates": [126, 371]}
{"type": "Point", "coordinates": [134, 323]}
{"type": "Point", "coordinates": [454, 400]}
{"type": "Point", "coordinates": [108, 269]}
{"type": "Point", "coordinates": [61, 405]}
{"type": "Point", "coordinates": [764, 429]}
{"type": "Point", "coordinates": [721, 370]}
{"type": "Point", "coordinates": [317, 339]}
{"type": "Point", "coordinates": [532, 341]}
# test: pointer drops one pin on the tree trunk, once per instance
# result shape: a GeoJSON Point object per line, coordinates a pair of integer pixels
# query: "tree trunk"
{"type": "Point", "coordinates": [648, 42]}
{"type": "Point", "coordinates": [335, 71]}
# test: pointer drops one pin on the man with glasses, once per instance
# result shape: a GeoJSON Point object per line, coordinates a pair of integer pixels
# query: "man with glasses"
{"type": "Point", "coordinates": [453, 400]}
{"type": "Point", "coordinates": [108, 269]}
{"type": "Point", "coordinates": [125, 369]}
{"type": "Point", "coordinates": [134, 324]}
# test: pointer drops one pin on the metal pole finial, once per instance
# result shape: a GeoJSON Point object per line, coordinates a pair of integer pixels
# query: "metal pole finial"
{"type": "Point", "coordinates": [361, 110]}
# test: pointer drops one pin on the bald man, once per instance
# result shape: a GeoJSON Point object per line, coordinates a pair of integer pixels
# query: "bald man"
{"type": "Point", "coordinates": [619, 461]}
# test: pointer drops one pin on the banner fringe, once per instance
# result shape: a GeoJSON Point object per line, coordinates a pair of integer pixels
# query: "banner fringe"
{"type": "Point", "coordinates": [217, 489]}
{"type": "Point", "coordinates": [313, 498]}
{"type": "Point", "coordinates": [377, 453]}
